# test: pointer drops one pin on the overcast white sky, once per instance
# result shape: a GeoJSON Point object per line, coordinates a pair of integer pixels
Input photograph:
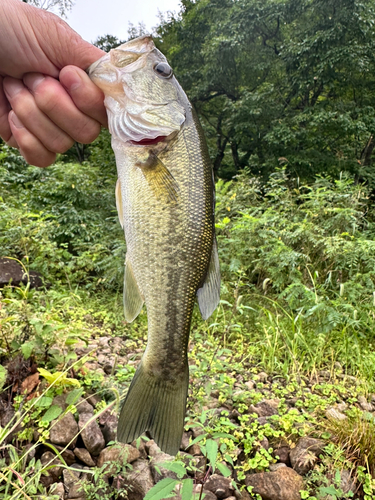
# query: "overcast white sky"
{"type": "Point", "coordinates": [93, 18]}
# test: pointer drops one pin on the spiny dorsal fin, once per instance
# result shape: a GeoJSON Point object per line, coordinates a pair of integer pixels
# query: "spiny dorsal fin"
{"type": "Point", "coordinates": [120, 212]}
{"type": "Point", "coordinates": [160, 180]}
{"type": "Point", "coordinates": [133, 300]}
{"type": "Point", "coordinates": [209, 295]}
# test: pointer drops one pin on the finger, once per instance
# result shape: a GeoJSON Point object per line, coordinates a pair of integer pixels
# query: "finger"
{"type": "Point", "coordinates": [85, 94]}
{"type": "Point", "coordinates": [38, 124]}
{"type": "Point", "coordinates": [5, 131]}
{"type": "Point", "coordinates": [54, 101]}
{"type": "Point", "coordinates": [34, 152]}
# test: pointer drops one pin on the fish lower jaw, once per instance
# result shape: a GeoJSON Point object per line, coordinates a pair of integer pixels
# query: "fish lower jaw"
{"type": "Point", "coordinates": [148, 141]}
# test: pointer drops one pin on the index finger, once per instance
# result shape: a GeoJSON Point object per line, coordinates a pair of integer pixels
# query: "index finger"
{"type": "Point", "coordinates": [85, 94]}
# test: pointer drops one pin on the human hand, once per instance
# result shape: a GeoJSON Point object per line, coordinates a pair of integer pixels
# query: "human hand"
{"type": "Point", "coordinates": [47, 101]}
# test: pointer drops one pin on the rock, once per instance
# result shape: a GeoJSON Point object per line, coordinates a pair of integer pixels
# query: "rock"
{"type": "Point", "coordinates": [91, 434]}
{"type": "Point", "coordinates": [250, 384]}
{"type": "Point", "coordinates": [57, 489]}
{"type": "Point", "coordinates": [208, 495]}
{"type": "Point", "coordinates": [333, 414]}
{"type": "Point", "coordinates": [195, 450]}
{"type": "Point", "coordinates": [347, 482]}
{"type": "Point", "coordinates": [109, 428]}
{"type": "Point", "coordinates": [262, 377]}
{"type": "Point", "coordinates": [263, 409]}
{"type": "Point", "coordinates": [67, 455]}
{"type": "Point", "coordinates": [185, 440]}
{"type": "Point", "coordinates": [124, 453]}
{"type": "Point", "coordinates": [275, 467]}
{"type": "Point", "coordinates": [54, 472]}
{"type": "Point", "coordinates": [283, 453]}
{"type": "Point", "coordinates": [11, 272]}
{"type": "Point", "coordinates": [283, 484]}
{"type": "Point", "coordinates": [264, 443]}
{"type": "Point", "coordinates": [60, 401]}
{"type": "Point", "coordinates": [365, 406]}
{"type": "Point", "coordinates": [85, 457]}
{"type": "Point", "coordinates": [219, 486]}
{"type": "Point", "coordinates": [93, 399]}
{"type": "Point", "coordinates": [139, 480]}
{"type": "Point", "coordinates": [158, 471]}
{"type": "Point", "coordinates": [152, 449]}
{"type": "Point", "coordinates": [70, 477]}
{"type": "Point", "coordinates": [64, 431]}
{"type": "Point", "coordinates": [305, 454]}
{"type": "Point", "coordinates": [76, 491]}
{"type": "Point", "coordinates": [83, 406]}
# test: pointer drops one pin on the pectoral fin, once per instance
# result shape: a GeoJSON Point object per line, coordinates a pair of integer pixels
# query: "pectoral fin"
{"type": "Point", "coordinates": [209, 295]}
{"type": "Point", "coordinates": [119, 203]}
{"type": "Point", "coordinates": [133, 300]}
{"type": "Point", "coordinates": [159, 178]}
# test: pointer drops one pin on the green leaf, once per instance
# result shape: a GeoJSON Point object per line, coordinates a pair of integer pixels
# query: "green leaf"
{"type": "Point", "coordinates": [52, 413]}
{"type": "Point", "coordinates": [27, 349]}
{"type": "Point", "coordinates": [177, 467]}
{"type": "Point", "coordinates": [162, 489]}
{"type": "Point", "coordinates": [211, 450]}
{"type": "Point", "coordinates": [187, 489]}
{"type": "Point", "coordinates": [3, 376]}
{"type": "Point", "coordinates": [44, 402]}
{"type": "Point", "coordinates": [73, 396]}
{"type": "Point", "coordinates": [223, 469]}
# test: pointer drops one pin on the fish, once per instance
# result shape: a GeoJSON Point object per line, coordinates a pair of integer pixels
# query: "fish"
{"type": "Point", "coordinates": [165, 201]}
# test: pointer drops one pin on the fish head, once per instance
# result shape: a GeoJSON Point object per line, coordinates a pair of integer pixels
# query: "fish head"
{"type": "Point", "coordinates": [143, 98]}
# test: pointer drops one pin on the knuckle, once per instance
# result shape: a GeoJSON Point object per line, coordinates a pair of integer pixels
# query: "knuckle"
{"type": "Point", "coordinates": [61, 144]}
{"type": "Point", "coordinates": [88, 132]}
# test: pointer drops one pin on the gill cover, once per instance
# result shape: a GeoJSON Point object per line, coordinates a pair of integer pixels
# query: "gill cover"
{"type": "Point", "coordinates": [142, 102]}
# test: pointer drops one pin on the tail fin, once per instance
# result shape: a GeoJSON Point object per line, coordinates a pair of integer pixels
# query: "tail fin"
{"type": "Point", "coordinates": [155, 405]}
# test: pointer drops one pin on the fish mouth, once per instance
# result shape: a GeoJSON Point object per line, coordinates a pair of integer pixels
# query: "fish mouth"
{"type": "Point", "coordinates": [150, 142]}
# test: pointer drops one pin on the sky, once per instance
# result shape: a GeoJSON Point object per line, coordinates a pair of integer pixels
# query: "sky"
{"type": "Point", "coordinates": [94, 18]}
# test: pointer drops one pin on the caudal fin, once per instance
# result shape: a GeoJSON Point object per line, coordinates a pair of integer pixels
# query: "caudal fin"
{"type": "Point", "coordinates": [155, 405]}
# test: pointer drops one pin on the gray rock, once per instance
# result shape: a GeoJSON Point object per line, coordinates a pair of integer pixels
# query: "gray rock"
{"type": "Point", "coordinates": [85, 457]}
{"type": "Point", "coordinates": [67, 455]}
{"type": "Point", "coordinates": [50, 459]}
{"type": "Point", "coordinates": [91, 434]}
{"type": "Point", "coordinates": [263, 409]}
{"type": "Point", "coordinates": [250, 384]}
{"type": "Point", "coordinates": [64, 431]}
{"type": "Point", "coordinates": [365, 406]}
{"type": "Point", "coordinates": [208, 495]}
{"type": "Point", "coordinates": [347, 482]}
{"type": "Point", "coordinates": [158, 471]}
{"type": "Point", "coordinates": [83, 406]}
{"type": "Point", "coordinates": [275, 467]}
{"type": "Point", "coordinates": [70, 477]}
{"type": "Point", "coordinates": [185, 440]}
{"type": "Point", "coordinates": [12, 272]}
{"type": "Point", "coordinates": [219, 486]}
{"type": "Point", "coordinates": [139, 480]}
{"type": "Point", "coordinates": [283, 484]}
{"type": "Point", "coordinates": [109, 428]}
{"type": "Point", "coordinates": [283, 453]}
{"type": "Point", "coordinates": [335, 414]}
{"type": "Point", "coordinates": [57, 489]}
{"type": "Point", "coordinates": [305, 454]}
{"type": "Point", "coordinates": [262, 377]}
{"type": "Point", "coordinates": [125, 454]}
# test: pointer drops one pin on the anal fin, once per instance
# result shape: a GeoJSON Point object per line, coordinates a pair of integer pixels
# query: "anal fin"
{"type": "Point", "coordinates": [133, 300]}
{"type": "Point", "coordinates": [160, 180]}
{"type": "Point", "coordinates": [209, 295]}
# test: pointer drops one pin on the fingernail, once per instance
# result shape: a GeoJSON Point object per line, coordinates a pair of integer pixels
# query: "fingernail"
{"type": "Point", "coordinates": [12, 87]}
{"type": "Point", "coordinates": [32, 80]}
{"type": "Point", "coordinates": [15, 120]}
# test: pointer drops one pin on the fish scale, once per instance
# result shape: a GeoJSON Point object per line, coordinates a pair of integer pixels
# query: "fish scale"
{"type": "Point", "coordinates": [165, 197]}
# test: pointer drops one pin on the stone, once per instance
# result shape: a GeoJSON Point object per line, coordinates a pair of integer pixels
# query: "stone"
{"type": "Point", "coordinates": [283, 484]}
{"type": "Point", "coordinates": [76, 490]}
{"type": "Point", "coordinates": [283, 453]}
{"type": "Point", "coordinates": [57, 489]}
{"type": "Point", "coordinates": [334, 414]}
{"type": "Point", "coordinates": [185, 440]}
{"type": "Point", "coordinates": [50, 459]}
{"type": "Point", "coordinates": [262, 377]}
{"type": "Point", "coordinates": [109, 367]}
{"type": "Point", "coordinates": [347, 482]}
{"type": "Point", "coordinates": [158, 471]}
{"type": "Point", "coordinates": [263, 409]}
{"type": "Point", "coordinates": [83, 406]}
{"type": "Point", "coordinates": [11, 272]}
{"type": "Point", "coordinates": [109, 428]}
{"type": "Point", "coordinates": [139, 480]}
{"type": "Point", "coordinates": [152, 449]}
{"type": "Point", "coordinates": [67, 455]}
{"type": "Point", "coordinates": [250, 384]}
{"type": "Point", "coordinates": [208, 495]}
{"type": "Point", "coordinates": [91, 434]}
{"type": "Point", "coordinates": [219, 486]}
{"type": "Point", "coordinates": [85, 457]}
{"type": "Point", "coordinates": [275, 467]}
{"type": "Point", "coordinates": [365, 406]}
{"type": "Point", "coordinates": [124, 453]}
{"type": "Point", "coordinates": [64, 431]}
{"type": "Point", "coordinates": [305, 454]}
{"type": "Point", "coordinates": [70, 477]}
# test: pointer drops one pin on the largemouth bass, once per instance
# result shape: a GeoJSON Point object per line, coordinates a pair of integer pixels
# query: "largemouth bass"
{"type": "Point", "coordinates": [165, 202]}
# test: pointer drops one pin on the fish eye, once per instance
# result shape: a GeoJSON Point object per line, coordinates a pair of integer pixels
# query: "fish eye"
{"type": "Point", "coordinates": [163, 69]}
